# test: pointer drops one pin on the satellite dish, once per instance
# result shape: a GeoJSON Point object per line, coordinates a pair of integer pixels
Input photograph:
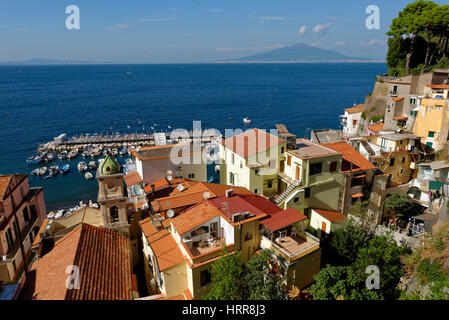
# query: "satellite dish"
{"type": "Point", "coordinates": [169, 173]}
{"type": "Point", "coordinates": [206, 195]}
{"type": "Point", "coordinates": [180, 187]}
{"type": "Point", "coordinates": [170, 213]}
{"type": "Point", "coordinates": [169, 178]}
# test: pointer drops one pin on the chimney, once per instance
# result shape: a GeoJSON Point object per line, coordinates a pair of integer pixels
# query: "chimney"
{"type": "Point", "coordinates": [229, 193]}
{"type": "Point", "coordinates": [234, 143]}
{"type": "Point", "coordinates": [245, 146]}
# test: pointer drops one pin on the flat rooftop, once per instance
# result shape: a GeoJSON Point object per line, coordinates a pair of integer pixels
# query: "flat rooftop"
{"type": "Point", "coordinates": [306, 149]}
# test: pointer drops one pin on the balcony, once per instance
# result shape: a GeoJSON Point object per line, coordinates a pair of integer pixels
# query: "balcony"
{"type": "Point", "coordinates": [291, 247]}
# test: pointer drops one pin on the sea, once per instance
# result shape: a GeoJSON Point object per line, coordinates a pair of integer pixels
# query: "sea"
{"type": "Point", "coordinates": [38, 103]}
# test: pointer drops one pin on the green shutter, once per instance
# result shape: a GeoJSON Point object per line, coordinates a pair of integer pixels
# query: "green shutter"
{"type": "Point", "coordinates": [435, 185]}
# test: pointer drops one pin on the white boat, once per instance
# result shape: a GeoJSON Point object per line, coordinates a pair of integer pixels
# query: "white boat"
{"type": "Point", "coordinates": [43, 171]}
{"type": "Point", "coordinates": [63, 155]}
{"type": "Point", "coordinates": [92, 165]}
{"type": "Point", "coordinates": [82, 167]}
{"type": "Point", "coordinates": [114, 152]}
{"type": "Point", "coordinates": [35, 172]}
{"type": "Point", "coordinates": [88, 176]}
{"type": "Point", "coordinates": [246, 120]}
{"type": "Point", "coordinates": [72, 154]}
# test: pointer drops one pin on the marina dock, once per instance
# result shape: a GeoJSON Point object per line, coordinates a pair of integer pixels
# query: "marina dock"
{"type": "Point", "coordinates": [80, 142]}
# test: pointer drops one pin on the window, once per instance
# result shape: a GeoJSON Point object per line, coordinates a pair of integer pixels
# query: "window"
{"type": "Point", "coordinates": [26, 216]}
{"type": "Point", "coordinates": [255, 191]}
{"type": "Point", "coordinates": [395, 89]}
{"type": "Point", "coordinates": [33, 211]}
{"type": "Point", "coordinates": [113, 212]}
{"type": "Point", "coordinates": [431, 134]}
{"type": "Point", "coordinates": [316, 168]}
{"type": "Point", "coordinates": [403, 159]}
{"type": "Point", "coordinates": [233, 158]}
{"type": "Point", "coordinates": [272, 164]}
{"type": "Point", "coordinates": [333, 166]}
{"type": "Point", "coordinates": [191, 176]}
{"type": "Point", "coordinates": [270, 184]}
{"type": "Point", "coordinates": [296, 200]}
{"type": "Point", "coordinates": [400, 142]}
{"type": "Point", "coordinates": [256, 172]}
{"type": "Point", "coordinates": [307, 212]}
{"type": "Point", "coordinates": [391, 162]}
{"type": "Point", "coordinates": [282, 149]}
{"type": "Point", "coordinates": [354, 122]}
{"type": "Point", "coordinates": [306, 193]}
{"type": "Point", "coordinates": [231, 178]}
{"type": "Point", "coordinates": [289, 160]}
{"type": "Point", "coordinates": [205, 278]}
{"type": "Point", "coordinates": [429, 144]}
{"type": "Point", "coordinates": [14, 265]}
{"type": "Point", "coordinates": [248, 236]}
{"type": "Point", "coordinates": [199, 231]}
{"type": "Point", "coordinates": [21, 192]}
{"type": "Point", "coordinates": [241, 164]}
{"type": "Point", "coordinates": [9, 238]}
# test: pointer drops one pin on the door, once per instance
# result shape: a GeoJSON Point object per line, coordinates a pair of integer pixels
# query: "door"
{"type": "Point", "coordinates": [213, 229]}
{"type": "Point", "coordinates": [282, 165]}
{"type": "Point", "coordinates": [298, 173]}
{"type": "Point", "coordinates": [323, 226]}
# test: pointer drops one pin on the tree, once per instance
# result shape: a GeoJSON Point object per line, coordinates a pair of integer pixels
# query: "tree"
{"type": "Point", "coordinates": [260, 281]}
{"type": "Point", "coordinates": [408, 24]}
{"type": "Point", "coordinates": [341, 282]}
{"type": "Point", "coordinates": [347, 240]}
{"type": "Point", "coordinates": [385, 254]}
{"type": "Point", "coordinates": [398, 204]}
{"type": "Point", "coordinates": [226, 278]}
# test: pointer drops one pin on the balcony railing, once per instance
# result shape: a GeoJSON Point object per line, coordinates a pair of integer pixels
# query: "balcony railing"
{"type": "Point", "coordinates": [292, 248]}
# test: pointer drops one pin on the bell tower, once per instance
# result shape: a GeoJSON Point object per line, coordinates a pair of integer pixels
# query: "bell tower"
{"type": "Point", "coordinates": [111, 195]}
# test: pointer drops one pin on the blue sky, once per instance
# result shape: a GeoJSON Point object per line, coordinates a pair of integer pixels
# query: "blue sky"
{"type": "Point", "coordinates": [189, 30]}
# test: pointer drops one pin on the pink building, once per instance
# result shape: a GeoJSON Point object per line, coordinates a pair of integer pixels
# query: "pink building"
{"type": "Point", "coordinates": [22, 210]}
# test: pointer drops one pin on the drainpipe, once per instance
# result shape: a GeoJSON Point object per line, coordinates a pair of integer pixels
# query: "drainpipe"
{"type": "Point", "coordinates": [18, 234]}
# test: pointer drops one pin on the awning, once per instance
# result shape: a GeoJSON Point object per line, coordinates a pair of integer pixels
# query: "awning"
{"type": "Point", "coordinates": [400, 118]}
{"type": "Point", "coordinates": [357, 195]}
{"type": "Point", "coordinates": [435, 185]}
{"type": "Point", "coordinates": [360, 176]}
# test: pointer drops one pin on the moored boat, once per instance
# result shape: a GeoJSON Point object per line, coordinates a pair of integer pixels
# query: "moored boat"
{"type": "Point", "coordinates": [35, 159]}
{"type": "Point", "coordinates": [63, 155]}
{"type": "Point", "coordinates": [65, 168]}
{"type": "Point", "coordinates": [82, 167]}
{"type": "Point", "coordinates": [88, 176]}
{"type": "Point", "coordinates": [122, 151]}
{"type": "Point", "coordinates": [114, 151]}
{"type": "Point", "coordinates": [92, 165]}
{"type": "Point", "coordinates": [246, 120]}
{"type": "Point", "coordinates": [51, 156]}
{"type": "Point", "coordinates": [72, 154]}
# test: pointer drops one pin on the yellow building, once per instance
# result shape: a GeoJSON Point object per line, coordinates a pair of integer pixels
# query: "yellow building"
{"type": "Point", "coordinates": [311, 178]}
{"type": "Point", "coordinates": [178, 255]}
{"type": "Point", "coordinates": [253, 160]}
{"type": "Point", "coordinates": [432, 118]}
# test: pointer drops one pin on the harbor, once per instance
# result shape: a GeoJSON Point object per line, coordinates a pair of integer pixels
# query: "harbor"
{"type": "Point", "coordinates": [62, 143]}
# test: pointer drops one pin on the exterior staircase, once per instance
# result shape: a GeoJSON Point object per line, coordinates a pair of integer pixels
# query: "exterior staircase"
{"type": "Point", "coordinates": [284, 194]}
{"type": "Point", "coordinates": [367, 147]}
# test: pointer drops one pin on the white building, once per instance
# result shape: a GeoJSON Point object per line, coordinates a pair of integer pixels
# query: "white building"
{"type": "Point", "coordinates": [352, 120]}
{"type": "Point", "coordinates": [183, 160]}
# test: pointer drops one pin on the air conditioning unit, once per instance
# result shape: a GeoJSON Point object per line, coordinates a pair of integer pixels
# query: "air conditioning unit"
{"type": "Point", "coordinates": [237, 217]}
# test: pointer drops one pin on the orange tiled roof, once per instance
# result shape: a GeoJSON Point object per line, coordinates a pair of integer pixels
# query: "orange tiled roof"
{"type": "Point", "coordinates": [193, 193]}
{"type": "Point", "coordinates": [398, 99]}
{"type": "Point", "coordinates": [4, 182]}
{"type": "Point", "coordinates": [132, 178]}
{"type": "Point", "coordinates": [252, 142]}
{"type": "Point", "coordinates": [332, 216]}
{"type": "Point", "coordinates": [438, 86]}
{"type": "Point", "coordinates": [167, 252]}
{"type": "Point", "coordinates": [194, 217]}
{"type": "Point", "coordinates": [151, 233]}
{"type": "Point", "coordinates": [356, 109]}
{"type": "Point", "coordinates": [283, 219]}
{"type": "Point", "coordinates": [400, 118]}
{"type": "Point", "coordinates": [377, 127]}
{"type": "Point", "coordinates": [351, 155]}
{"type": "Point", "coordinates": [104, 261]}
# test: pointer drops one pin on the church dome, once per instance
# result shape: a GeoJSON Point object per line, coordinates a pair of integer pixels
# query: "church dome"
{"type": "Point", "coordinates": [109, 166]}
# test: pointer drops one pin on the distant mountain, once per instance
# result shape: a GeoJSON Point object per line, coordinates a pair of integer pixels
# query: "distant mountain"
{"type": "Point", "coordinates": [301, 52]}
{"type": "Point", "coordinates": [38, 62]}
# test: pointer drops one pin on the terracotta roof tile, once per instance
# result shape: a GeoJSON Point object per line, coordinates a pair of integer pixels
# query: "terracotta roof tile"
{"type": "Point", "coordinates": [4, 182]}
{"type": "Point", "coordinates": [167, 252]}
{"type": "Point", "coordinates": [252, 142]}
{"type": "Point", "coordinates": [400, 118]}
{"type": "Point", "coordinates": [377, 127]}
{"type": "Point", "coordinates": [438, 86]}
{"type": "Point", "coordinates": [332, 216]}
{"type": "Point", "coordinates": [194, 217]}
{"type": "Point", "coordinates": [104, 261]}
{"type": "Point", "coordinates": [283, 218]}
{"type": "Point", "coordinates": [306, 149]}
{"type": "Point", "coordinates": [398, 99]}
{"type": "Point", "coordinates": [352, 156]}
{"type": "Point", "coordinates": [151, 233]}
{"type": "Point", "coordinates": [132, 178]}
{"type": "Point", "coordinates": [356, 109]}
